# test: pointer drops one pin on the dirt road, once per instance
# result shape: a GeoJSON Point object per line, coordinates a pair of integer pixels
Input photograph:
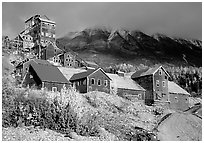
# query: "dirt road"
{"type": "Point", "coordinates": [180, 127]}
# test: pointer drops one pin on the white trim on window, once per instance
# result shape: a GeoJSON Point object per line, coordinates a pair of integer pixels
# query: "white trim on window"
{"type": "Point", "coordinates": [157, 83]}
{"type": "Point", "coordinates": [105, 83]}
{"type": "Point", "coordinates": [163, 83]}
{"type": "Point", "coordinates": [54, 89]}
{"type": "Point", "coordinates": [160, 71]}
{"type": "Point", "coordinates": [99, 82]}
{"type": "Point", "coordinates": [92, 81]}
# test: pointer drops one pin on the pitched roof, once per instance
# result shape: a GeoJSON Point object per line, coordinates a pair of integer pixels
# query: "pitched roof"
{"type": "Point", "coordinates": [175, 88]}
{"type": "Point", "coordinates": [44, 62]}
{"type": "Point", "coordinates": [86, 74]}
{"type": "Point", "coordinates": [82, 75]}
{"type": "Point", "coordinates": [91, 64]}
{"type": "Point", "coordinates": [49, 73]}
{"type": "Point", "coordinates": [69, 72]}
{"type": "Point", "coordinates": [124, 82]}
{"type": "Point", "coordinates": [147, 71]}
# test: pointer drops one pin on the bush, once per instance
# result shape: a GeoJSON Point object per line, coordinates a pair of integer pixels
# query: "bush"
{"type": "Point", "coordinates": [34, 108]}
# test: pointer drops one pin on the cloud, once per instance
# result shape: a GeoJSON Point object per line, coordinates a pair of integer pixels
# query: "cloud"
{"type": "Point", "coordinates": [173, 19]}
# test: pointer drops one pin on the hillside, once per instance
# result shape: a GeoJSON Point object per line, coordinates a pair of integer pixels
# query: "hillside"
{"type": "Point", "coordinates": [109, 47]}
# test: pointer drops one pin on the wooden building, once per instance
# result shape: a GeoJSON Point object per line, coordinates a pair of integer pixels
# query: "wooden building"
{"type": "Point", "coordinates": [47, 77]}
{"type": "Point", "coordinates": [41, 28]}
{"type": "Point", "coordinates": [91, 80]}
{"type": "Point", "coordinates": [178, 97]}
{"type": "Point", "coordinates": [23, 66]}
{"type": "Point", "coordinates": [155, 82]}
{"type": "Point", "coordinates": [126, 87]}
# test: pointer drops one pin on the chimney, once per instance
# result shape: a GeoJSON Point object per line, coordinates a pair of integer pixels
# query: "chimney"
{"type": "Point", "coordinates": [120, 73]}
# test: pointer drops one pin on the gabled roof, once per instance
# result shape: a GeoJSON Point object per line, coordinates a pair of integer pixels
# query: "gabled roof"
{"type": "Point", "coordinates": [69, 72]}
{"type": "Point", "coordinates": [49, 73]}
{"type": "Point", "coordinates": [124, 82]}
{"type": "Point", "coordinates": [86, 74]}
{"type": "Point", "coordinates": [81, 75]}
{"type": "Point", "coordinates": [44, 62]}
{"type": "Point", "coordinates": [175, 88]}
{"type": "Point", "coordinates": [148, 71]}
{"type": "Point", "coordinates": [91, 64]}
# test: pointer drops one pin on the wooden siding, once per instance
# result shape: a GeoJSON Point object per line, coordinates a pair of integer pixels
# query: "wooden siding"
{"type": "Point", "coordinates": [99, 75]}
{"type": "Point", "coordinates": [50, 52]}
{"type": "Point", "coordinates": [147, 83]}
{"type": "Point", "coordinates": [127, 92]}
{"type": "Point", "coordinates": [179, 101]}
{"type": "Point", "coordinates": [81, 85]}
{"type": "Point", "coordinates": [160, 92]}
{"type": "Point", "coordinates": [69, 60]}
{"type": "Point", "coordinates": [36, 82]}
{"type": "Point", "coordinates": [59, 86]}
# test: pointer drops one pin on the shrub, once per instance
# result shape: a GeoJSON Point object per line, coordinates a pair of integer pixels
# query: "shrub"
{"type": "Point", "coordinates": [34, 108]}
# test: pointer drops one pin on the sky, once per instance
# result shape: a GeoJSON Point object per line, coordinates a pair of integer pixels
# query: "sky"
{"type": "Point", "coordinates": [173, 19]}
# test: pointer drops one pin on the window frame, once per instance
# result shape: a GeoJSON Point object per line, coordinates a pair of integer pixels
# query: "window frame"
{"type": "Point", "coordinates": [92, 81]}
{"type": "Point", "coordinates": [105, 83]}
{"type": "Point", "coordinates": [157, 83]}
{"type": "Point", "coordinates": [99, 82]}
{"type": "Point", "coordinates": [54, 87]}
{"type": "Point", "coordinates": [160, 71]}
{"type": "Point", "coordinates": [163, 84]}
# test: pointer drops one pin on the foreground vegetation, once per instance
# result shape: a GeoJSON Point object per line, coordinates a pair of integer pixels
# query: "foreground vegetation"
{"type": "Point", "coordinates": [95, 114]}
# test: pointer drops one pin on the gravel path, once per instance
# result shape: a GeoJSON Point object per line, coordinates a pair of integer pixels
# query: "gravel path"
{"type": "Point", "coordinates": [180, 127]}
{"type": "Point", "coordinates": [31, 134]}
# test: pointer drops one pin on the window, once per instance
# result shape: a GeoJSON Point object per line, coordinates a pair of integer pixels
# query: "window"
{"type": "Point", "coordinates": [66, 59]}
{"type": "Point", "coordinates": [43, 84]}
{"type": "Point", "coordinates": [160, 72]}
{"type": "Point", "coordinates": [163, 83]}
{"type": "Point", "coordinates": [92, 81]}
{"type": "Point", "coordinates": [26, 69]}
{"type": "Point", "coordinates": [139, 96]}
{"type": "Point", "coordinates": [99, 82]}
{"type": "Point", "coordinates": [105, 83]}
{"type": "Point", "coordinates": [68, 56]}
{"type": "Point", "coordinates": [165, 77]}
{"type": "Point", "coordinates": [157, 83]}
{"type": "Point", "coordinates": [54, 89]}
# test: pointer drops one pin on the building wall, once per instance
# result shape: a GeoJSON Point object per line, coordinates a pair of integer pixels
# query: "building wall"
{"type": "Point", "coordinates": [160, 91]}
{"type": "Point", "coordinates": [50, 51]}
{"type": "Point", "coordinates": [99, 75]}
{"type": "Point", "coordinates": [179, 101]}
{"type": "Point", "coordinates": [41, 31]}
{"type": "Point", "coordinates": [31, 79]}
{"type": "Point", "coordinates": [147, 83]}
{"type": "Point", "coordinates": [69, 60]}
{"type": "Point", "coordinates": [130, 94]}
{"type": "Point", "coordinates": [81, 85]}
{"type": "Point", "coordinates": [59, 86]}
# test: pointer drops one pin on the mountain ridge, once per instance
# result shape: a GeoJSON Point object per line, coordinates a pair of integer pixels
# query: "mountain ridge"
{"type": "Point", "coordinates": [130, 46]}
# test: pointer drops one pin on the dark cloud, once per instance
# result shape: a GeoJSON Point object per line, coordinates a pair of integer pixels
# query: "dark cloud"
{"type": "Point", "coordinates": [173, 19]}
